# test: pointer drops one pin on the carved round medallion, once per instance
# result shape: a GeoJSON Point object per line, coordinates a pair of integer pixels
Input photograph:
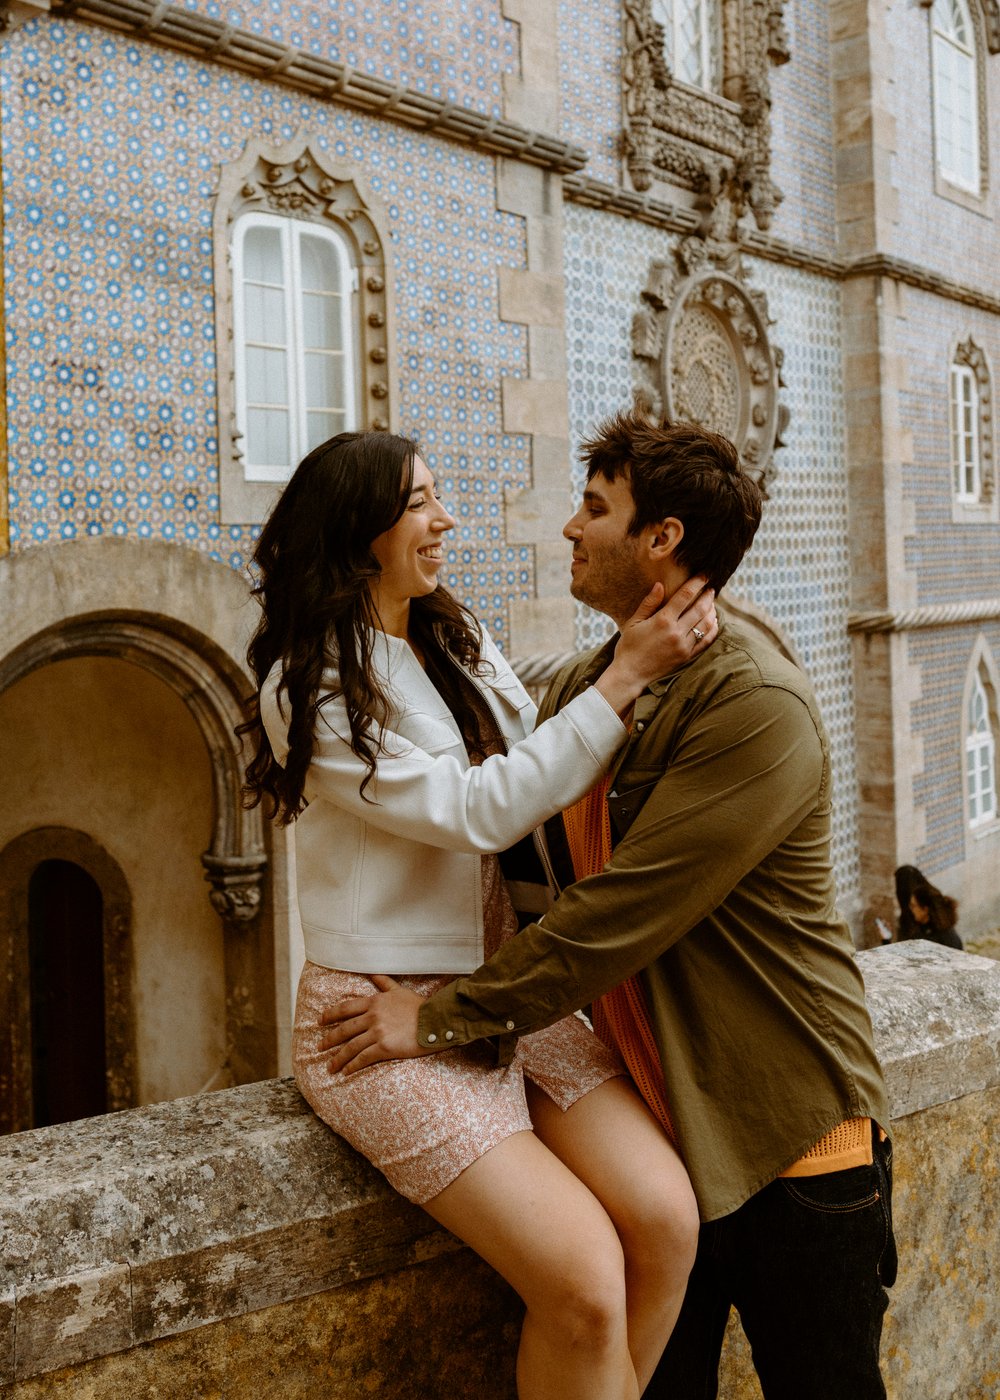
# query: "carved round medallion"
{"type": "Point", "coordinates": [717, 367]}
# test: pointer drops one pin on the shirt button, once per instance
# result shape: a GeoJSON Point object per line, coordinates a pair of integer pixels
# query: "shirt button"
{"type": "Point", "coordinates": [510, 1025]}
{"type": "Point", "coordinates": [640, 726]}
{"type": "Point", "coordinates": [431, 1038]}
{"type": "Point", "coordinates": [449, 1035]}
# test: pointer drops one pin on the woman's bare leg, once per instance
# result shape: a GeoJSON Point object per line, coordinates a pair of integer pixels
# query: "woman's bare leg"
{"type": "Point", "coordinates": [526, 1214]}
{"type": "Point", "coordinates": [613, 1144]}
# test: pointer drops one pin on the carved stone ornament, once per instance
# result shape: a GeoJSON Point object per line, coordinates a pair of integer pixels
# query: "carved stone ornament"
{"type": "Point", "coordinates": [236, 886]}
{"type": "Point", "coordinates": [717, 145]}
{"type": "Point", "coordinates": [704, 354]}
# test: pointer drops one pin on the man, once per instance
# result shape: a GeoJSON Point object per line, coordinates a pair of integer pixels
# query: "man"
{"type": "Point", "coordinates": [715, 921]}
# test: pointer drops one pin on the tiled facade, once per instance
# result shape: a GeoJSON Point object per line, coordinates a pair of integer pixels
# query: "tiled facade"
{"type": "Point", "coordinates": [513, 291]}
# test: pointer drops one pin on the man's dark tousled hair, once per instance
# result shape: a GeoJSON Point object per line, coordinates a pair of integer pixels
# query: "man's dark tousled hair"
{"type": "Point", "coordinates": [681, 470]}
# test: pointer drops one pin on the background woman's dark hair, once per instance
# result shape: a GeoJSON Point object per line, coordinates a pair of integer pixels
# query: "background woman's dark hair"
{"type": "Point", "coordinates": [681, 470]}
{"type": "Point", "coordinates": [314, 564]}
{"type": "Point", "coordinates": [942, 909]}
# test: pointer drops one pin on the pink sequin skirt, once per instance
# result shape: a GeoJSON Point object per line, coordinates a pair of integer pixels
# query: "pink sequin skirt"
{"type": "Point", "coordinates": [423, 1121]}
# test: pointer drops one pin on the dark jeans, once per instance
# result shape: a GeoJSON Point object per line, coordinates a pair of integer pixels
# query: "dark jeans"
{"type": "Point", "coordinates": [805, 1262]}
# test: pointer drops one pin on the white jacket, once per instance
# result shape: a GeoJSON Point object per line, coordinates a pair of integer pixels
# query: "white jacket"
{"type": "Point", "coordinates": [393, 884]}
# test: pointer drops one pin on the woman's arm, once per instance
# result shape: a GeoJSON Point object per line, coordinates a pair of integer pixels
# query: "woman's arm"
{"type": "Point", "coordinates": [435, 798]}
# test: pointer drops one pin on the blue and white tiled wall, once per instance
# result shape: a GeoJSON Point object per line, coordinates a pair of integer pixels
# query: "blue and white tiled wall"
{"type": "Point", "coordinates": [111, 155]}
{"type": "Point", "coordinates": [798, 569]}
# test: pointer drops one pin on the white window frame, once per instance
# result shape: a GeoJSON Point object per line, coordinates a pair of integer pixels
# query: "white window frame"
{"type": "Point", "coordinates": [980, 757]}
{"type": "Point", "coordinates": [948, 56]}
{"type": "Point", "coordinates": [291, 232]}
{"type": "Point", "coordinates": [966, 455]}
{"type": "Point", "coordinates": [666, 13]}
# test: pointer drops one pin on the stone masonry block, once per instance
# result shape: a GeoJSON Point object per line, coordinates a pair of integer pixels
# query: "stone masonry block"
{"type": "Point", "coordinates": [545, 245]}
{"type": "Point", "coordinates": [62, 1321]}
{"type": "Point", "coordinates": [848, 18]}
{"type": "Point", "coordinates": [552, 572]}
{"type": "Point", "coordinates": [532, 298]}
{"type": "Point", "coordinates": [530, 106]}
{"type": "Point", "coordinates": [541, 624]}
{"type": "Point", "coordinates": [535, 406]}
{"type": "Point", "coordinates": [527, 189]}
{"type": "Point", "coordinates": [535, 516]}
{"type": "Point", "coordinates": [547, 352]}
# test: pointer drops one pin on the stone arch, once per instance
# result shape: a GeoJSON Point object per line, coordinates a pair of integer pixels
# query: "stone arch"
{"type": "Point", "coordinates": [18, 860]}
{"type": "Point", "coordinates": [982, 664]}
{"type": "Point", "coordinates": [184, 618]}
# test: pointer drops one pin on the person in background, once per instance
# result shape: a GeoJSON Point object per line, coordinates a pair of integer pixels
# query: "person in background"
{"type": "Point", "coordinates": [924, 912]}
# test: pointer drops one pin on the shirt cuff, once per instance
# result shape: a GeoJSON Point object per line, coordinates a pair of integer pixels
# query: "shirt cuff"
{"type": "Point", "coordinates": [441, 1028]}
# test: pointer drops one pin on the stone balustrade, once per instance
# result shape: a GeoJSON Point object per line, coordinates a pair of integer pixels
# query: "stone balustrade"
{"type": "Point", "coordinates": [230, 1245]}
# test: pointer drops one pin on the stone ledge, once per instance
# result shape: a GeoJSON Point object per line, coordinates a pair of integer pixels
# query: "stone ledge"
{"type": "Point", "coordinates": [936, 1014]}
{"type": "Point", "coordinates": [148, 1224]}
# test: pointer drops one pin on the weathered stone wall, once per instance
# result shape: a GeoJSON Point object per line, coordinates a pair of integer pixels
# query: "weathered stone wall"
{"type": "Point", "coordinates": [228, 1244]}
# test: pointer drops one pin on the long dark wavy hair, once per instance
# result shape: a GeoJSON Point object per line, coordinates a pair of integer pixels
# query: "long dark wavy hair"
{"type": "Point", "coordinates": [314, 565]}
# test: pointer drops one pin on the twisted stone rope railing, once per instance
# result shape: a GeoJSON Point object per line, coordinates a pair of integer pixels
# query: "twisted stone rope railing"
{"type": "Point", "coordinates": [931, 615]}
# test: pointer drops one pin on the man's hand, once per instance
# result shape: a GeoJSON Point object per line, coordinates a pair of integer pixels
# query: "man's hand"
{"type": "Point", "coordinates": [366, 1030]}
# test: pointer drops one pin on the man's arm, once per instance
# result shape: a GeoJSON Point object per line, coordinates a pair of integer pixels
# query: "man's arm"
{"type": "Point", "coordinates": [748, 771]}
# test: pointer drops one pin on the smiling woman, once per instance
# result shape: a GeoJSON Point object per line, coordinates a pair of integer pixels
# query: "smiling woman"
{"type": "Point", "coordinates": [390, 728]}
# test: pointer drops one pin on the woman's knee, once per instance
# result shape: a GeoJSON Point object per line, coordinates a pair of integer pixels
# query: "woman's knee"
{"type": "Point", "coordinates": [583, 1299]}
{"type": "Point", "coordinates": [661, 1229]}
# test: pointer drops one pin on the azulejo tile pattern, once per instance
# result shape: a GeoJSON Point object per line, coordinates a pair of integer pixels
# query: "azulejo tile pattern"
{"type": "Point", "coordinates": [590, 84]}
{"type": "Point", "coordinates": [456, 50]}
{"type": "Point", "coordinates": [798, 569]}
{"type": "Point", "coordinates": [112, 150]}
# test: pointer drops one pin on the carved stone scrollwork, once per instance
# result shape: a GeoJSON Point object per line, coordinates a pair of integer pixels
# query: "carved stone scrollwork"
{"type": "Point", "coordinates": [704, 354]}
{"type": "Point", "coordinates": [716, 145]}
{"type": "Point", "coordinates": [236, 886]}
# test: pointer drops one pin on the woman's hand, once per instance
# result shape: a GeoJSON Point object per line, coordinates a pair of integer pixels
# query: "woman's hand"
{"type": "Point", "coordinates": [658, 638]}
{"type": "Point", "coordinates": [366, 1030]}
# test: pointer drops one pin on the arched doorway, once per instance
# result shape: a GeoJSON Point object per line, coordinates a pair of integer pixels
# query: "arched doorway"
{"type": "Point", "coordinates": [67, 1044]}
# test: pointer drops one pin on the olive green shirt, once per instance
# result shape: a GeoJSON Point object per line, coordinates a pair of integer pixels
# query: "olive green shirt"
{"type": "Point", "coordinates": [720, 894]}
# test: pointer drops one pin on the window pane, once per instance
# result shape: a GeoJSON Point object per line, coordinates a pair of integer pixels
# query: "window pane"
{"type": "Point", "coordinates": [321, 322]}
{"type": "Point", "coordinates": [262, 255]}
{"type": "Point", "coordinates": [264, 314]}
{"type": "Point", "coordinates": [267, 437]}
{"type": "Point", "coordinates": [320, 265]}
{"type": "Point", "coordinates": [267, 378]}
{"type": "Point", "coordinates": [320, 426]}
{"type": "Point", "coordinates": [325, 381]}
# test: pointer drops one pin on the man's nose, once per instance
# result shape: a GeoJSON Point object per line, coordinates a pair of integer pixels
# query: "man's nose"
{"type": "Point", "coordinates": [572, 529]}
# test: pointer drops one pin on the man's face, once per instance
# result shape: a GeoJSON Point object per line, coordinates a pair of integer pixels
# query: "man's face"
{"type": "Point", "coordinates": [609, 570]}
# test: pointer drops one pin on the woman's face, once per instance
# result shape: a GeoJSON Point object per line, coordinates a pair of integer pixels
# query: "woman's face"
{"type": "Point", "coordinates": [411, 553]}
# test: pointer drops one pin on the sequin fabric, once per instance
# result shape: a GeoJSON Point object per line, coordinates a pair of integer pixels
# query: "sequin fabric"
{"type": "Point", "coordinates": [423, 1121]}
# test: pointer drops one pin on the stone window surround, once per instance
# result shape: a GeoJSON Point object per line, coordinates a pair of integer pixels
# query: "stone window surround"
{"type": "Point", "coordinates": [985, 16]}
{"type": "Point", "coordinates": [715, 145]}
{"type": "Point", "coordinates": [982, 664]}
{"type": "Point", "coordinates": [984, 510]}
{"type": "Point", "coordinates": [297, 181]}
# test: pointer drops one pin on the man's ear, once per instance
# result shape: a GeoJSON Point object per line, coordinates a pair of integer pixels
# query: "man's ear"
{"type": "Point", "coordinates": [666, 536]}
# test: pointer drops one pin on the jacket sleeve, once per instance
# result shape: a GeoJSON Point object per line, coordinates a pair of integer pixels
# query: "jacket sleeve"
{"type": "Point", "coordinates": [748, 771]}
{"type": "Point", "coordinates": [436, 799]}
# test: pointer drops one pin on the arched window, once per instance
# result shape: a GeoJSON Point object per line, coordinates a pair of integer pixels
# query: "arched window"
{"type": "Point", "coordinates": [692, 40]}
{"type": "Point", "coordinates": [981, 750]}
{"type": "Point", "coordinates": [956, 95]}
{"type": "Point", "coordinates": [965, 455]}
{"type": "Point", "coordinates": [295, 341]}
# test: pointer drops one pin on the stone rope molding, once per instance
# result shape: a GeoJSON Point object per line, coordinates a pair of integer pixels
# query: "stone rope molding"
{"type": "Point", "coordinates": [322, 77]}
{"type": "Point", "coordinates": [931, 615]}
